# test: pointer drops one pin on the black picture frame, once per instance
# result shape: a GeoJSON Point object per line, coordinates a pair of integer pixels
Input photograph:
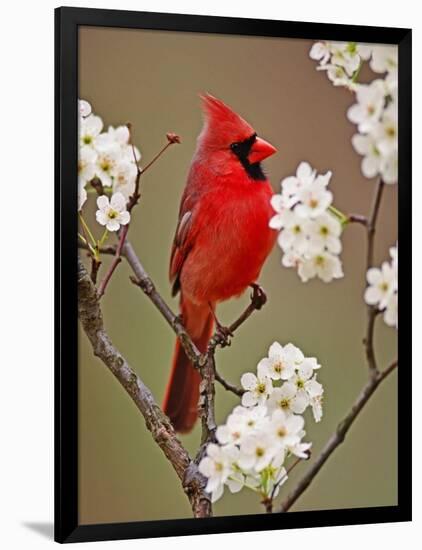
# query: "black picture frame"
{"type": "Point", "coordinates": [67, 21]}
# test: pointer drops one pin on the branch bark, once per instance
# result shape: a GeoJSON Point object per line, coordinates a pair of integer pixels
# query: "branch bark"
{"type": "Point", "coordinates": [371, 311]}
{"type": "Point", "coordinates": [157, 423]}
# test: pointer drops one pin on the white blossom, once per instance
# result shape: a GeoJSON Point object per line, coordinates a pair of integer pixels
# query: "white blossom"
{"type": "Point", "coordinates": [337, 75]}
{"type": "Point", "coordinates": [215, 466]}
{"type": "Point", "coordinates": [366, 145]}
{"type": "Point", "coordinates": [86, 164]}
{"type": "Point", "coordinates": [385, 131]}
{"type": "Point", "coordinates": [294, 234]}
{"type": "Point", "coordinates": [240, 422]}
{"type": "Point", "coordinates": [106, 165]}
{"type": "Point", "coordinates": [314, 198]}
{"type": "Point", "coordinates": [301, 450]}
{"type": "Point", "coordinates": [382, 284]}
{"type": "Point", "coordinates": [340, 60]}
{"type": "Point", "coordinates": [124, 178]}
{"type": "Point", "coordinates": [257, 440]}
{"type": "Point", "coordinates": [281, 361]}
{"type": "Point", "coordinates": [82, 196]}
{"type": "Point", "coordinates": [382, 290]}
{"type": "Point", "coordinates": [85, 108]}
{"type": "Point", "coordinates": [384, 59]}
{"type": "Point", "coordinates": [257, 451]}
{"type": "Point", "coordinates": [309, 233]}
{"type": "Point", "coordinates": [89, 129]}
{"type": "Point", "coordinates": [394, 254]}
{"type": "Point", "coordinates": [391, 311]}
{"type": "Point", "coordinates": [316, 404]}
{"type": "Point", "coordinates": [320, 51]}
{"type": "Point", "coordinates": [305, 176]}
{"type": "Point", "coordinates": [258, 387]}
{"type": "Point", "coordinates": [323, 264]}
{"type": "Point", "coordinates": [307, 387]}
{"type": "Point", "coordinates": [370, 102]}
{"type": "Point", "coordinates": [112, 213]}
{"type": "Point", "coordinates": [324, 233]}
{"type": "Point", "coordinates": [346, 57]}
{"type": "Point", "coordinates": [287, 399]}
{"type": "Point", "coordinates": [285, 428]}
{"type": "Point", "coordinates": [389, 168]}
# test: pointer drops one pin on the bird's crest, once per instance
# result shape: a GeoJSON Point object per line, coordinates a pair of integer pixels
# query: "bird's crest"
{"type": "Point", "coordinates": [222, 124]}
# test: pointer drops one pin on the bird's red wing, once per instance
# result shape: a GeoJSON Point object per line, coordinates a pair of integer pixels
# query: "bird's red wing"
{"type": "Point", "coordinates": [182, 243]}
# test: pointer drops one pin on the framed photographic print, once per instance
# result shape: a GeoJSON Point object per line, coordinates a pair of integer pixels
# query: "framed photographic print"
{"type": "Point", "coordinates": [229, 197]}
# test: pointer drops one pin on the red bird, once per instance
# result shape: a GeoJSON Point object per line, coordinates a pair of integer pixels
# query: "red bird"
{"type": "Point", "coordinates": [222, 239]}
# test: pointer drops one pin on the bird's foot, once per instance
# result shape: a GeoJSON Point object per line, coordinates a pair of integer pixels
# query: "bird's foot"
{"type": "Point", "coordinates": [222, 335]}
{"type": "Point", "coordinates": [258, 296]}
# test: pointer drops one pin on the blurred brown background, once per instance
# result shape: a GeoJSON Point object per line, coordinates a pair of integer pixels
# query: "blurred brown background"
{"type": "Point", "coordinates": [152, 79]}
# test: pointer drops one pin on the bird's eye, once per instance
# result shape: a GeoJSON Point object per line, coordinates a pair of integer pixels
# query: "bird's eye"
{"type": "Point", "coordinates": [235, 146]}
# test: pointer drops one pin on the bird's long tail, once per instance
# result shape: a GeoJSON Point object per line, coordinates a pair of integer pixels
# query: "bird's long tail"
{"type": "Point", "coordinates": [182, 392]}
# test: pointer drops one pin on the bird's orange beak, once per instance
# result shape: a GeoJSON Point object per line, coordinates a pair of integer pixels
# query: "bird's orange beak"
{"type": "Point", "coordinates": [261, 149]}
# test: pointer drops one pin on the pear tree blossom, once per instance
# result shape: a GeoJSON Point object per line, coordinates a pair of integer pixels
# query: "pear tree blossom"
{"type": "Point", "coordinates": [340, 60]}
{"type": "Point", "coordinates": [82, 196]}
{"type": "Point", "coordinates": [375, 110]}
{"type": "Point", "coordinates": [112, 212]}
{"type": "Point", "coordinates": [382, 289]}
{"type": "Point", "coordinates": [258, 386]}
{"type": "Point", "coordinates": [107, 165]}
{"type": "Point", "coordinates": [261, 435]}
{"type": "Point", "coordinates": [108, 156]}
{"type": "Point", "coordinates": [281, 361]}
{"type": "Point", "coordinates": [309, 230]}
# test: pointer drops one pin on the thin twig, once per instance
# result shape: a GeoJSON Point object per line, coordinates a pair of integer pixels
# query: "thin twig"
{"type": "Point", "coordinates": [269, 501]}
{"type": "Point", "coordinates": [338, 436]}
{"type": "Point", "coordinates": [222, 334]}
{"type": "Point", "coordinates": [358, 218]}
{"type": "Point", "coordinates": [171, 139]}
{"type": "Point", "coordinates": [156, 421]}
{"type": "Point", "coordinates": [95, 266]}
{"type": "Point", "coordinates": [372, 220]}
{"type": "Point", "coordinates": [237, 390]}
{"type": "Point", "coordinates": [116, 260]}
{"type": "Point", "coordinates": [371, 311]}
{"type": "Point", "coordinates": [107, 249]}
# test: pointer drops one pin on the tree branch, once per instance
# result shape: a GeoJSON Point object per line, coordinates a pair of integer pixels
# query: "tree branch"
{"type": "Point", "coordinates": [237, 390]}
{"type": "Point", "coordinates": [107, 249]}
{"type": "Point", "coordinates": [372, 220]}
{"type": "Point", "coordinates": [371, 311]}
{"type": "Point", "coordinates": [358, 218]}
{"type": "Point", "coordinates": [338, 436]}
{"type": "Point", "coordinates": [157, 423]}
{"type": "Point", "coordinates": [116, 260]}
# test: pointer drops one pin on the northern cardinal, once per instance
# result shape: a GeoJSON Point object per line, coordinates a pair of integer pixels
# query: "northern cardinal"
{"type": "Point", "coordinates": [221, 242]}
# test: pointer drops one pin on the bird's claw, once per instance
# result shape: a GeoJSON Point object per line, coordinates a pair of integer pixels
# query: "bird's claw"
{"type": "Point", "coordinates": [258, 296]}
{"type": "Point", "coordinates": [223, 335]}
